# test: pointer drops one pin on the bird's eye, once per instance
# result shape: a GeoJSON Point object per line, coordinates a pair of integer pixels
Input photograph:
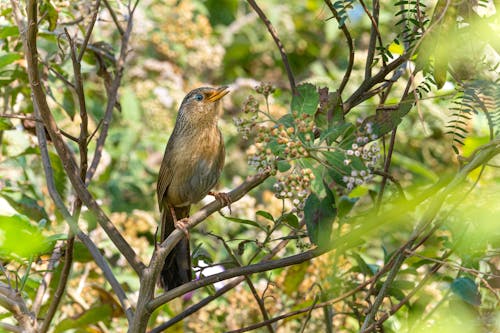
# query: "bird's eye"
{"type": "Point", "coordinates": [198, 97]}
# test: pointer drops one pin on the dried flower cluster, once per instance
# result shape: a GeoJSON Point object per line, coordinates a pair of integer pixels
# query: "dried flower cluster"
{"type": "Point", "coordinates": [369, 153]}
{"type": "Point", "coordinates": [294, 186]}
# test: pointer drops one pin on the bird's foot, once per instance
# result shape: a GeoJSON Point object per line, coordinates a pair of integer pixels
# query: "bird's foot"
{"type": "Point", "coordinates": [182, 225]}
{"type": "Point", "coordinates": [223, 198]}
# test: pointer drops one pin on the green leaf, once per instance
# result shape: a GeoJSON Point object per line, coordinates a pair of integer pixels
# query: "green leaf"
{"type": "Point", "coordinates": [5, 124]}
{"type": "Point", "coordinates": [336, 130]}
{"type": "Point", "coordinates": [345, 205]}
{"type": "Point", "coordinates": [49, 12]}
{"type": "Point", "coordinates": [91, 316]}
{"type": "Point", "coordinates": [319, 215]}
{"type": "Point", "coordinates": [291, 219]}
{"type": "Point", "coordinates": [9, 58]}
{"type": "Point", "coordinates": [283, 165]}
{"type": "Point", "coordinates": [307, 99]}
{"type": "Point", "coordinates": [467, 290]}
{"type": "Point", "coordinates": [8, 31]}
{"type": "Point", "coordinates": [19, 238]}
{"type": "Point", "coordinates": [265, 215]}
{"type": "Point", "coordinates": [24, 204]}
{"type": "Point", "coordinates": [362, 265]}
{"type": "Point", "coordinates": [244, 221]}
{"type": "Point", "coordinates": [294, 277]}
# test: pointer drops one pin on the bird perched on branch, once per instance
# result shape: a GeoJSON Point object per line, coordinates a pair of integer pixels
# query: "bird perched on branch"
{"type": "Point", "coordinates": [191, 166]}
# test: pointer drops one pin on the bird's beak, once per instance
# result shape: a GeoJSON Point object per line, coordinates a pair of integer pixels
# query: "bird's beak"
{"type": "Point", "coordinates": [217, 94]}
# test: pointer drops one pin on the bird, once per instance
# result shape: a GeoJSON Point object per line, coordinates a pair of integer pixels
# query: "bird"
{"type": "Point", "coordinates": [191, 167]}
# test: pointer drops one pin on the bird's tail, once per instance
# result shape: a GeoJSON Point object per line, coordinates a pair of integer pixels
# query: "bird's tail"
{"type": "Point", "coordinates": [177, 268]}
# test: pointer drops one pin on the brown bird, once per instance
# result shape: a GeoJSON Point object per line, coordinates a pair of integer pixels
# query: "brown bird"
{"type": "Point", "coordinates": [191, 166]}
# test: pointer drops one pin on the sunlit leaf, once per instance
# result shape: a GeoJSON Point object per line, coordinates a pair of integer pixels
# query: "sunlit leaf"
{"type": "Point", "coordinates": [89, 317]}
{"type": "Point", "coordinates": [19, 238]}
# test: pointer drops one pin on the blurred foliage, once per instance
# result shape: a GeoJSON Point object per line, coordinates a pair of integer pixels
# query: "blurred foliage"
{"type": "Point", "coordinates": [324, 161]}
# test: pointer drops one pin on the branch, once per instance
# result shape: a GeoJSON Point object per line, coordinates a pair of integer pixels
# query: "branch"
{"type": "Point", "coordinates": [479, 157]}
{"type": "Point", "coordinates": [230, 285]}
{"type": "Point", "coordinates": [61, 286]}
{"type": "Point", "coordinates": [89, 31]}
{"type": "Point", "coordinates": [357, 97]}
{"type": "Point", "coordinates": [67, 159]}
{"type": "Point", "coordinates": [113, 16]}
{"type": "Point", "coordinates": [58, 201]}
{"type": "Point", "coordinates": [14, 303]}
{"type": "Point", "coordinates": [350, 44]}
{"type": "Point", "coordinates": [281, 48]}
{"type": "Point", "coordinates": [112, 100]}
{"type": "Point", "coordinates": [151, 273]}
{"type": "Point", "coordinates": [374, 35]}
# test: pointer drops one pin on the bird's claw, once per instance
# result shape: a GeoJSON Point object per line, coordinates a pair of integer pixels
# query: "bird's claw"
{"type": "Point", "coordinates": [223, 198]}
{"type": "Point", "coordinates": [182, 225]}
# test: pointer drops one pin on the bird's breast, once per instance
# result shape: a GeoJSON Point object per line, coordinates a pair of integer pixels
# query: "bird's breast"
{"type": "Point", "coordinates": [197, 166]}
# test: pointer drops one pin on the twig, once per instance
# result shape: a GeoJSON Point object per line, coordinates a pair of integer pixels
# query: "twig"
{"type": "Point", "coordinates": [14, 303]}
{"type": "Point", "coordinates": [388, 159]}
{"type": "Point", "coordinates": [350, 44]}
{"type": "Point", "coordinates": [255, 294]}
{"type": "Point", "coordinates": [113, 16]}
{"type": "Point", "coordinates": [112, 99]}
{"type": "Point", "coordinates": [281, 48]}
{"type": "Point", "coordinates": [89, 31]}
{"type": "Point", "coordinates": [374, 35]}
{"type": "Point", "coordinates": [80, 93]}
{"type": "Point", "coordinates": [47, 277]}
{"type": "Point", "coordinates": [357, 97]}
{"type": "Point", "coordinates": [10, 328]}
{"type": "Point", "coordinates": [61, 286]}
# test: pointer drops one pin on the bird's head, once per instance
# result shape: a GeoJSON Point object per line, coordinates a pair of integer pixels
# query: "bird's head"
{"type": "Point", "coordinates": [202, 104]}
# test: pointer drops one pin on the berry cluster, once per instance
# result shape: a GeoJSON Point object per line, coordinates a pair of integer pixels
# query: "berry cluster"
{"type": "Point", "coordinates": [265, 88]}
{"type": "Point", "coordinates": [250, 105]}
{"type": "Point", "coordinates": [294, 148]}
{"type": "Point", "coordinates": [369, 153]}
{"type": "Point", "coordinates": [294, 186]}
{"type": "Point", "coordinates": [259, 155]}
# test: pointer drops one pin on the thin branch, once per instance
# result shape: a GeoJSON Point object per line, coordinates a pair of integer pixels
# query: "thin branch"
{"type": "Point", "coordinates": [89, 31]}
{"type": "Point", "coordinates": [61, 286]}
{"type": "Point", "coordinates": [258, 299]}
{"type": "Point", "coordinates": [388, 159]}
{"type": "Point", "coordinates": [67, 159]}
{"type": "Point", "coordinates": [357, 97]}
{"type": "Point", "coordinates": [350, 45]}
{"type": "Point", "coordinates": [374, 35]}
{"type": "Point", "coordinates": [230, 285]}
{"type": "Point", "coordinates": [10, 328]}
{"type": "Point", "coordinates": [113, 16]}
{"type": "Point", "coordinates": [58, 201]}
{"type": "Point", "coordinates": [14, 303]}
{"type": "Point", "coordinates": [47, 277]}
{"type": "Point", "coordinates": [276, 39]}
{"type": "Point", "coordinates": [112, 99]}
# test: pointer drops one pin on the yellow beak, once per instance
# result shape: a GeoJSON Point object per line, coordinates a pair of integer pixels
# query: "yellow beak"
{"type": "Point", "coordinates": [217, 94]}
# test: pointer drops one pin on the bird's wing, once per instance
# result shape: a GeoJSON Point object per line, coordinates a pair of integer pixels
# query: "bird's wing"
{"type": "Point", "coordinates": [165, 174]}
